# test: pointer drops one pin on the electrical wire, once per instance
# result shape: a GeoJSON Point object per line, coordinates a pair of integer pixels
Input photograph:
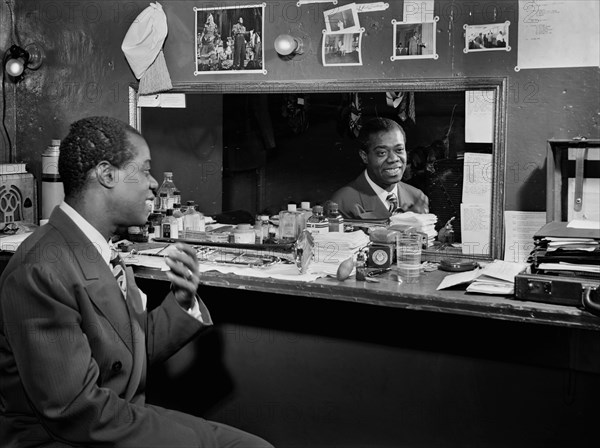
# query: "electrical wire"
{"type": "Point", "coordinates": [15, 40]}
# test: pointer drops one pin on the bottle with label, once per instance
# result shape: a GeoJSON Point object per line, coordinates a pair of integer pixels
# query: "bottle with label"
{"type": "Point", "coordinates": [289, 224]}
{"type": "Point", "coordinates": [317, 223]}
{"type": "Point", "coordinates": [52, 188]}
{"type": "Point", "coordinates": [177, 197]}
{"type": "Point", "coordinates": [244, 234]}
{"type": "Point", "coordinates": [169, 228]}
{"type": "Point", "coordinates": [336, 221]}
{"type": "Point", "coordinates": [168, 187]}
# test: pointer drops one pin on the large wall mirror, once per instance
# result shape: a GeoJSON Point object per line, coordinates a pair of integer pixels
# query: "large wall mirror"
{"type": "Point", "coordinates": [257, 146]}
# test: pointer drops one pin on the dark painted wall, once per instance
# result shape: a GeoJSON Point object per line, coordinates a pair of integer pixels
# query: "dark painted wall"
{"type": "Point", "coordinates": [85, 72]}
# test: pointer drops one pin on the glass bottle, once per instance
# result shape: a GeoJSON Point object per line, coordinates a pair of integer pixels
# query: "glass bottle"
{"type": "Point", "coordinates": [169, 226]}
{"type": "Point", "coordinates": [178, 216]}
{"type": "Point", "coordinates": [168, 187]}
{"type": "Point", "coordinates": [305, 210]}
{"type": "Point", "coordinates": [336, 221]}
{"type": "Point", "coordinates": [199, 221]}
{"type": "Point", "coordinates": [288, 224]}
{"type": "Point", "coordinates": [163, 203]}
{"type": "Point", "coordinates": [317, 223]}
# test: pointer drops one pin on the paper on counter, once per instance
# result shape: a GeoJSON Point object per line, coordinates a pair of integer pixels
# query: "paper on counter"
{"type": "Point", "coordinates": [519, 228]}
{"type": "Point", "coordinates": [503, 270]}
{"type": "Point", "coordinates": [458, 279]}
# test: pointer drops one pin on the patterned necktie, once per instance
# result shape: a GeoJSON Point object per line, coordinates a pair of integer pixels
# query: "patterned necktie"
{"type": "Point", "coordinates": [393, 201]}
{"type": "Point", "coordinates": [118, 270]}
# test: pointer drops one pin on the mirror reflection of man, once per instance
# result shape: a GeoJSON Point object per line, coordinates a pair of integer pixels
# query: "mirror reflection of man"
{"type": "Point", "coordinates": [378, 192]}
{"type": "Point", "coordinates": [239, 44]}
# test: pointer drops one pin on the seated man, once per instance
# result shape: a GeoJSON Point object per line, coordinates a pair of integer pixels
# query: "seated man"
{"type": "Point", "coordinates": [75, 335]}
{"type": "Point", "coordinates": [378, 192]}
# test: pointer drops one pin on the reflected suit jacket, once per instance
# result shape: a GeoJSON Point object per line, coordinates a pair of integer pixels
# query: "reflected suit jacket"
{"type": "Point", "coordinates": [358, 200]}
{"type": "Point", "coordinates": [74, 353]}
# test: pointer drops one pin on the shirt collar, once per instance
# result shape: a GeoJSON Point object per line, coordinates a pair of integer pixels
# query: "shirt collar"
{"type": "Point", "coordinates": [381, 193]}
{"type": "Point", "coordinates": [89, 231]}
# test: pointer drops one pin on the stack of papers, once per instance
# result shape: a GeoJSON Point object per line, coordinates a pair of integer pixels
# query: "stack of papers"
{"type": "Point", "coordinates": [333, 248]}
{"type": "Point", "coordinates": [422, 222]}
{"type": "Point", "coordinates": [496, 278]}
{"type": "Point", "coordinates": [567, 250]}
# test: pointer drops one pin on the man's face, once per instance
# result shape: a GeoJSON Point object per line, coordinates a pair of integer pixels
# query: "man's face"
{"type": "Point", "coordinates": [385, 157]}
{"type": "Point", "coordinates": [134, 188]}
{"type": "Point", "coordinates": [241, 20]}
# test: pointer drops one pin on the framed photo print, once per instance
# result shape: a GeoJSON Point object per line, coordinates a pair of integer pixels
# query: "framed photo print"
{"type": "Point", "coordinates": [342, 48]}
{"type": "Point", "coordinates": [414, 40]}
{"type": "Point", "coordinates": [490, 37]}
{"type": "Point", "coordinates": [344, 18]}
{"type": "Point", "coordinates": [229, 39]}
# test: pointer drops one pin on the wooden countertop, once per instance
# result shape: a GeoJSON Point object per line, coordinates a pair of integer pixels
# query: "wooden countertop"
{"type": "Point", "coordinates": [420, 296]}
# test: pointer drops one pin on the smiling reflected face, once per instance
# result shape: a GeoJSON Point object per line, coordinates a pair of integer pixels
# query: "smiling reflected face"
{"type": "Point", "coordinates": [385, 157]}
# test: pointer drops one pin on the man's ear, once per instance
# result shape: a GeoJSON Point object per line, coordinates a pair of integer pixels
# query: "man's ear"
{"type": "Point", "coordinates": [363, 156]}
{"type": "Point", "coordinates": [107, 174]}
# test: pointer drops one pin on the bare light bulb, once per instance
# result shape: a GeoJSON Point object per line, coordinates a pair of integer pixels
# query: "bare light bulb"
{"type": "Point", "coordinates": [15, 67]}
{"type": "Point", "coordinates": [285, 45]}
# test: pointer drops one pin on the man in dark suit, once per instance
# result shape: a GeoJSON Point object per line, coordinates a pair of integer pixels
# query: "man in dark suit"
{"type": "Point", "coordinates": [378, 192]}
{"type": "Point", "coordinates": [75, 335]}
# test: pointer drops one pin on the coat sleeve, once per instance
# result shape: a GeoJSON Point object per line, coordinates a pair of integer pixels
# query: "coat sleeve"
{"type": "Point", "coordinates": [42, 326]}
{"type": "Point", "coordinates": [170, 327]}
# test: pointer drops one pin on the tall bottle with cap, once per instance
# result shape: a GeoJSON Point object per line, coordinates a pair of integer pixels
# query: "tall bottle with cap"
{"type": "Point", "coordinates": [52, 187]}
{"type": "Point", "coordinates": [291, 223]}
{"type": "Point", "coordinates": [167, 186]}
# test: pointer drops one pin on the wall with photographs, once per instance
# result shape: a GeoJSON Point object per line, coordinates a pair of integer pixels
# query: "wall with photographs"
{"type": "Point", "coordinates": [85, 73]}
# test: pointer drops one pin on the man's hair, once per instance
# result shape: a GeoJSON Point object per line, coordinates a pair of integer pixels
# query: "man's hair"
{"type": "Point", "coordinates": [89, 142]}
{"type": "Point", "coordinates": [374, 126]}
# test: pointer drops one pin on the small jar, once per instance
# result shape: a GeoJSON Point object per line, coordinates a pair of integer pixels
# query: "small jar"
{"type": "Point", "coordinates": [244, 234]}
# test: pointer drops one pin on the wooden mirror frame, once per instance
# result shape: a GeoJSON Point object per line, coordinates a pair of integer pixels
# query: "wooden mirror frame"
{"type": "Point", "coordinates": [496, 84]}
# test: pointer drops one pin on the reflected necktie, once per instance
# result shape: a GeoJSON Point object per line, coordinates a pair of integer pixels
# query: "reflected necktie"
{"type": "Point", "coordinates": [393, 201]}
{"type": "Point", "coordinates": [118, 269]}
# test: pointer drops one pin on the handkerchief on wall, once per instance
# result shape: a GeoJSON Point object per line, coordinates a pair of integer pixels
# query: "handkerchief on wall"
{"type": "Point", "coordinates": [142, 47]}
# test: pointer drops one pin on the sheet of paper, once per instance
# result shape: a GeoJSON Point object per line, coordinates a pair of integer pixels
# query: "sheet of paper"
{"type": "Point", "coordinates": [503, 270]}
{"type": "Point", "coordinates": [479, 116]}
{"type": "Point", "coordinates": [370, 7]}
{"type": "Point", "coordinates": [590, 208]}
{"type": "Point", "coordinates": [519, 228]}
{"type": "Point", "coordinates": [458, 279]}
{"type": "Point", "coordinates": [173, 100]}
{"type": "Point", "coordinates": [477, 179]}
{"type": "Point", "coordinates": [558, 34]}
{"type": "Point", "coordinates": [584, 224]}
{"type": "Point", "coordinates": [417, 11]}
{"type": "Point", "coordinates": [475, 229]}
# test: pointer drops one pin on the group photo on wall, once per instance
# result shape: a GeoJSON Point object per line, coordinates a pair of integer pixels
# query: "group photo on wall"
{"type": "Point", "coordinates": [229, 39]}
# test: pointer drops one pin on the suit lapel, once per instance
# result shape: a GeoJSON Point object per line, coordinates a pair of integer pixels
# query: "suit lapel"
{"type": "Point", "coordinates": [100, 284]}
{"type": "Point", "coordinates": [369, 199]}
{"type": "Point", "coordinates": [137, 315]}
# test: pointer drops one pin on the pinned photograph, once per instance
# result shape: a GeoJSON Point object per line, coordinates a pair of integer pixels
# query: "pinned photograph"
{"type": "Point", "coordinates": [342, 19]}
{"type": "Point", "coordinates": [229, 39]}
{"type": "Point", "coordinates": [341, 49]}
{"type": "Point", "coordinates": [414, 40]}
{"type": "Point", "coordinates": [490, 37]}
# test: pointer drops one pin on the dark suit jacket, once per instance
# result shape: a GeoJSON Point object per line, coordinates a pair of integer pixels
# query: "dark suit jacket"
{"type": "Point", "coordinates": [358, 200]}
{"type": "Point", "coordinates": [73, 353]}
